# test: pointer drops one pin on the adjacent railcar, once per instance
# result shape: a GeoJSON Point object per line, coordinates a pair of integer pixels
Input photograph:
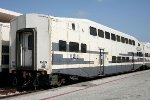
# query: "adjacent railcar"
{"type": "Point", "coordinates": [55, 48]}
{"type": "Point", "coordinates": [4, 47]}
{"type": "Point", "coordinates": [4, 53]}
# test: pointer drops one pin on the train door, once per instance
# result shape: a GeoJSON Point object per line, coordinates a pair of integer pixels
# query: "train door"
{"type": "Point", "coordinates": [25, 49]}
{"type": "Point", "coordinates": [101, 61]}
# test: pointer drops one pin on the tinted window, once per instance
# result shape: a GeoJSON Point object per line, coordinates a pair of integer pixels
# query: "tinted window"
{"type": "Point", "coordinates": [113, 59]}
{"type": "Point", "coordinates": [133, 42]}
{"type": "Point", "coordinates": [127, 59]}
{"type": "Point", "coordinates": [62, 45]}
{"type": "Point", "coordinates": [126, 40]}
{"type": "Point", "coordinates": [73, 26]}
{"type": "Point", "coordinates": [118, 38]}
{"type": "Point", "coordinates": [107, 35]}
{"type": "Point", "coordinates": [118, 59]}
{"type": "Point", "coordinates": [130, 42]}
{"type": "Point", "coordinates": [93, 31]}
{"type": "Point", "coordinates": [122, 39]}
{"type": "Point", "coordinates": [123, 59]}
{"type": "Point", "coordinates": [138, 44]}
{"type": "Point", "coordinates": [113, 37]}
{"type": "Point", "coordinates": [83, 48]}
{"type": "Point", "coordinates": [5, 49]}
{"type": "Point", "coordinates": [5, 59]}
{"type": "Point", "coordinates": [30, 42]}
{"type": "Point", "coordinates": [73, 47]}
{"type": "Point", "coordinates": [100, 33]}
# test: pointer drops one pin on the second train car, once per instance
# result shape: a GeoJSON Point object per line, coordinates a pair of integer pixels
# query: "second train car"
{"type": "Point", "coordinates": [56, 48]}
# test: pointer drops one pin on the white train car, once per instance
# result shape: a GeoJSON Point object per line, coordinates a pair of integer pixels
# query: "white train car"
{"type": "Point", "coordinates": [54, 46]}
{"type": "Point", "coordinates": [4, 47]}
{"type": "Point", "coordinates": [146, 47]}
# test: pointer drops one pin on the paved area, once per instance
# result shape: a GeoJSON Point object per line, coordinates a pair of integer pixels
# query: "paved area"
{"type": "Point", "coordinates": [133, 86]}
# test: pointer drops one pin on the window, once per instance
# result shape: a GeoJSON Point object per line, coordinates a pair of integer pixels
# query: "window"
{"type": "Point", "coordinates": [113, 37]}
{"type": "Point", "coordinates": [133, 42]}
{"type": "Point", "coordinates": [146, 54]}
{"type": "Point", "coordinates": [130, 42]}
{"type": "Point", "coordinates": [73, 26]}
{"type": "Point", "coordinates": [73, 47]}
{"type": "Point", "coordinates": [62, 45]}
{"type": "Point", "coordinates": [140, 54]}
{"type": "Point", "coordinates": [119, 59]}
{"type": "Point", "coordinates": [83, 48]}
{"type": "Point", "coordinates": [5, 59]}
{"type": "Point", "coordinates": [126, 41]}
{"type": "Point", "coordinates": [137, 54]}
{"type": "Point", "coordinates": [127, 59]}
{"type": "Point", "coordinates": [113, 59]}
{"type": "Point", "coordinates": [5, 49]}
{"type": "Point", "coordinates": [107, 35]}
{"type": "Point", "coordinates": [101, 33]}
{"type": "Point", "coordinates": [122, 39]}
{"type": "Point", "coordinates": [123, 59]}
{"type": "Point", "coordinates": [93, 31]}
{"type": "Point", "coordinates": [30, 42]}
{"type": "Point", "coordinates": [118, 38]}
{"type": "Point", "coordinates": [138, 44]}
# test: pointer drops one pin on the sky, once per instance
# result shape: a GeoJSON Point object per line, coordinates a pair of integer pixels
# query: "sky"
{"type": "Point", "coordinates": [129, 16]}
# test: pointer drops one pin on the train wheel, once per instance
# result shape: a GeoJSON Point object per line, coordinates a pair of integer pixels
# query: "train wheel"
{"type": "Point", "coordinates": [36, 83]}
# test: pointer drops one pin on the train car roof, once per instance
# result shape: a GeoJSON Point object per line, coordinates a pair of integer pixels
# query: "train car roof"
{"type": "Point", "coordinates": [95, 24]}
{"type": "Point", "coordinates": [7, 15]}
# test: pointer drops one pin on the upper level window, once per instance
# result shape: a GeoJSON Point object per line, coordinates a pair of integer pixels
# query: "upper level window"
{"type": "Point", "coordinates": [130, 41]}
{"type": "Point", "coordinates": [122, 39]}
{"type": "Point", "coordinates": [107, 35]}
{"type": "Point", "coordinates": [83, 48]}
{"type": "Point", "coordinates": [62, 45]}
{"type": "Point", "coordinates": [73, 26]}
{"type": "Point", "coordinates": [113, 37]}
{"type": "Point", "coordinates": [101, 33]}
{"type": "Point", "coordinates": [126, 40]}
{"type": "Point", "coordinates": [133, 42]}
{"type": "Point", "coordinates": [138, 44]}
{"type": "Point", "coordinates": [73, 47]}
{"type": "Point", "coordinates": [93, 31]}
{"type": "Point", "coordinates": [118, 38]}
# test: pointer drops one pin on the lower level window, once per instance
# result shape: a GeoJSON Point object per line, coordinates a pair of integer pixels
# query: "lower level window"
{"type": "Point", "coordinates": [113, 59]}
{"type": "Point", "coordinates": [5, 59]}
{"type": "Point", "coordinates": [83, 48]}
{"type": "Point", "coordinates": [73, 47]}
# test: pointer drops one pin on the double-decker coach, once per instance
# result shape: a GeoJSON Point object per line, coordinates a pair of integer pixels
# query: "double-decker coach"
{"type": "Point", "coordinates": [56, 48]}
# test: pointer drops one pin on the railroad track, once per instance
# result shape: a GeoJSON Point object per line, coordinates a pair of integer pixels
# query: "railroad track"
{"type": "Point", "coordinates": [13, 92]}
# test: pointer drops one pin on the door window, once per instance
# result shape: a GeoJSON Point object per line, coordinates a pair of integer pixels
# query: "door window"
{"type": "Point", "coordinates": [30, 42]}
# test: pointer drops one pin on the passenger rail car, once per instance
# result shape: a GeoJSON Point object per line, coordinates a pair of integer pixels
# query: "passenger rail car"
{"type": "Point", "coordinates": [55, 47]}
{"type": "Point", "coordinates": [4, 52]}
{"type": "Point", "coordinates": [4, 47]}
